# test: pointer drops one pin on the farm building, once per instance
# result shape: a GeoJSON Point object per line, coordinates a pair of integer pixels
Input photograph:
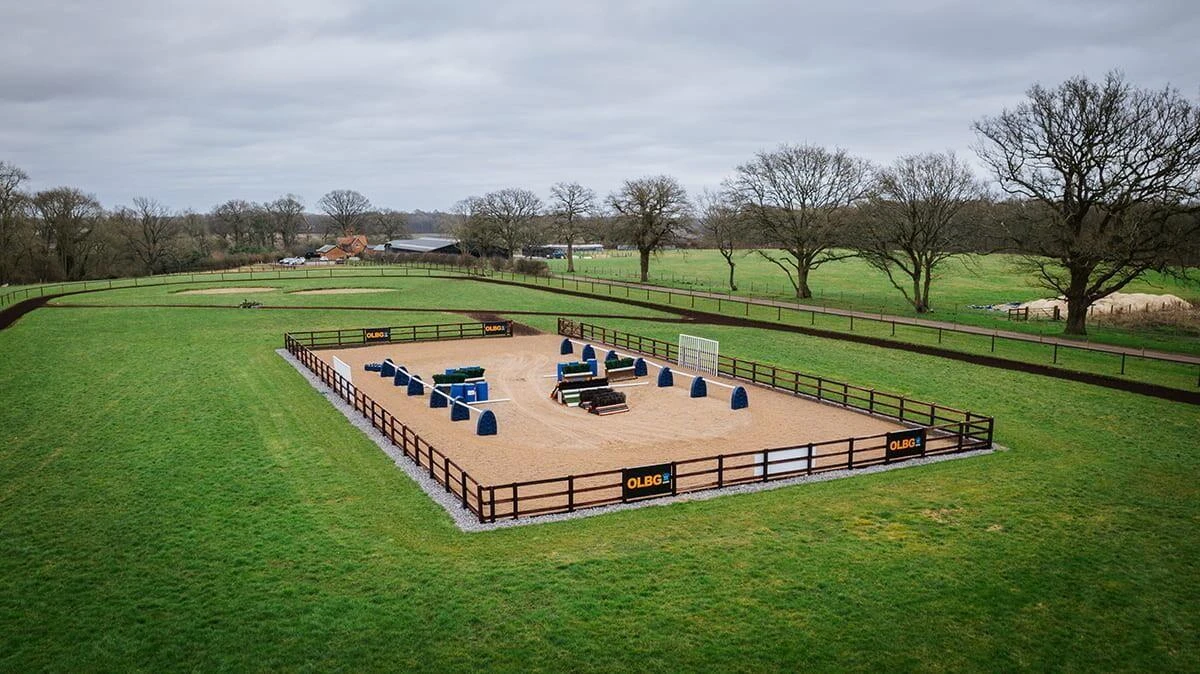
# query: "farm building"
{"type": "Point", "coordinates": [425, 244]}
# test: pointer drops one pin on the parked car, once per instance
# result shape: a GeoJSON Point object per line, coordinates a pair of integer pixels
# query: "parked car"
{"type": "Point", "coordinates": [292, 261]}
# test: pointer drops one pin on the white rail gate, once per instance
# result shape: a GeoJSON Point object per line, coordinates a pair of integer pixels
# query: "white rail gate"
{"type": "Point", "coordinates": [698, 353]}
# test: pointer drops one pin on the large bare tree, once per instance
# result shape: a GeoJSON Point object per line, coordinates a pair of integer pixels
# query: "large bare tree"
{"type": "Point", "coordinates": [649, 213]}
{"type": "Point", "coordinates": [915, 221]}
{"type": "Point", "coordinates": [68, 219]}
{"type": "Point", "coordinates": [721, 226]}
{"type": "Point", "coordinates": [389, 223]}
{"type": "Point", "coordinates": [148, 230]}
{"type": "Point", "coordinates": [797, 198]}
{"type": "Point", "coordinates": [1110, 171]}
{"type": "Point", "coordinates": [286, 215]}
{"type": "Point", "coordinates": [234, 220]}
{"type": "Point", "coordinates": [348, 210]}
{"type": "Point", "coordinates": [507, 219]}
{"type": "Point", "coordinates": [13, 221]}
{"type": "Point", "coordinates": [570, 206]}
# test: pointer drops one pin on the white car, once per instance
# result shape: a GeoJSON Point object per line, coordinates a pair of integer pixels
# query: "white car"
{"type": "Point", "coordinates": [292, 261]}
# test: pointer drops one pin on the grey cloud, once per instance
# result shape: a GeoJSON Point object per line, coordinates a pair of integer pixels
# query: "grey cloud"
{"type": "Point", "coordinates": [420, 104]}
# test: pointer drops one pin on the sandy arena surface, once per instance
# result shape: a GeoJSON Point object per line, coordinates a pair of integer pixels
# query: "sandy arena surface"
{"type": "Point", "coordinates": [539, 438]}
{"type": "Point", "coordinates": [344, 291]}
{"type": "Point", "coordinates": [227, 291]}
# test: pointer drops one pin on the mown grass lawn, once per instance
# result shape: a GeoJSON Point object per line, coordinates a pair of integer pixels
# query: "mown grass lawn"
{"type": "Point", "coordinates": [173, 495]}
{"type": "Point", "coordinates": [852, 284]}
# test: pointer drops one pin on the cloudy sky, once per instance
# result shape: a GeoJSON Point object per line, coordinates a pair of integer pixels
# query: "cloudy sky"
{"type": "Point", "coordinates": [418, 105]}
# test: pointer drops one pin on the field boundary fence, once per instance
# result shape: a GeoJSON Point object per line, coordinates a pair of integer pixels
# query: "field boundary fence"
{"type": "Point", "coordinates": [947, 431]}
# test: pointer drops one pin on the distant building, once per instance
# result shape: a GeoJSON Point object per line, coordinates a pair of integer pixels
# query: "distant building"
{"type": "Point", "coordinates": [558, 251]}
{"type": "Point", "coordinates": [425, 244]}
{"type": "Point", "coordinates": [345, 247]}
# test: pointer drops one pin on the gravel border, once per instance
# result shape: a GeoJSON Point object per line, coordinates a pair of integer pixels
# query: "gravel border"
{"type": "Point", "coordinates": [467, 521]}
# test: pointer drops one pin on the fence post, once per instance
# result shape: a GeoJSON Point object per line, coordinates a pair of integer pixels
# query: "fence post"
{"type": "Point", "coordinates": [479, 502]}
{"type": "Point", "coordinates": [720, 471]}
{"type": "Point", "coordinates": [570, 493]}
{"type": "Point", "coordinates": [674, 478]}
{"type": "Point", "coordinates": [766, 464]}
{"type": "Point", "coordinates": [850, 455]}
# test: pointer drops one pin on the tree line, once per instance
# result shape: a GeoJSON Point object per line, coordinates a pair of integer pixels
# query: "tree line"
{"type": "Point", "coordinates": [1098, 183]}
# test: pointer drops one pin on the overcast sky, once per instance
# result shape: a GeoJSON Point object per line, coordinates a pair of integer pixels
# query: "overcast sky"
{"type": "Point", "coordinates": [417, 105]}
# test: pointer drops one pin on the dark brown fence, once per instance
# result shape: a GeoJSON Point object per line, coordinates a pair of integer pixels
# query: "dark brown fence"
{"type": "Point", "coordinates": [332, 339]}
{"type": "Point", "coordinates": [570, 493]}
{"type": "Point", "coordinates": [889, 405]}
{"type": "Point", "coordinates": [947, 430]}
{"type": "Point", "coordinates": [441, 468]}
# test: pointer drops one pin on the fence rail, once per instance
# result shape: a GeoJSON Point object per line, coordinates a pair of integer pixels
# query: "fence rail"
{"type": "Point", "coordinates": [331, 339]}
{"type": "Point", "coordinates": [610, 288]}
{"type": "Point", "coordinates": [442, 469]}
{"type": "Point", "coordinates": [948, 430]}
{"type": "Point", "coordinates": [900, 408]}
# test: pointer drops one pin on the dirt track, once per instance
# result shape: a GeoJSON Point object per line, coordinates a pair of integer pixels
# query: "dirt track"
{"type": "Point", "coordinates": [539, 438]}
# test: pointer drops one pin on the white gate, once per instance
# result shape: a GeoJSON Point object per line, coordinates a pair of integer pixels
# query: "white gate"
{"type": "Point", "coordinates": [698, 354]}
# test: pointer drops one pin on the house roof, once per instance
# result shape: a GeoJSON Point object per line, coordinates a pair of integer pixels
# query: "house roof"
{"type": "Point", "coordinates": [326, 248]}
{"type": "Point", "coordinates": [352, 240]}
{"type": "Point", "coordinates": [423, 244]}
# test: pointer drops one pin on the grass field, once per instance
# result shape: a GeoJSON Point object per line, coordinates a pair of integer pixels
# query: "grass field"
{"type": "Point", "coordinates": [852, 284]}
{"type": "Point", "coordinates": [173, 495]}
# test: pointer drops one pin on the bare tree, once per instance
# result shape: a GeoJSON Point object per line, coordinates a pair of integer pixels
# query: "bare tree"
{"type": "Point", "coordinates": [286, 215]}
{"type": "Point", "coordinates": [721, 226]}
{"type": "Point", "coordinates": [196, 226]}
{"type": "Point", "coordinates": [650, 213]}
{"type": "Point", "coordinates": [147, 231]}
{"type": "Point", "coordinates": [505, 219]}
{"type": "Point", "coordinates": [391, 224]}
{"type": "Point", "coordinates": [68, 222]}
{"type": "Point", "coordinates": [234, 221]}
{"type": "Point", "coordinates": [796, 198]}
{"type": "Point", "coordinates": [348, 210]}
{"type": "Point", "coordinates": [914, 221]}
{"type": "Point", "coordinates": [13, 223]}
{"type": "Point", "coordinates": [1111, 171]}
{"type": "Point", "coordinates": [570, 205]}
